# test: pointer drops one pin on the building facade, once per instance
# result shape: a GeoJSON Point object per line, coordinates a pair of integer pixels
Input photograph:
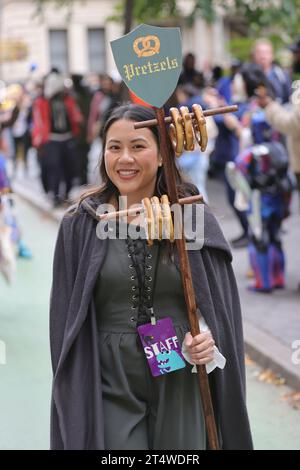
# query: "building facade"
{"type": "Point", "coordinates": [79, 42]}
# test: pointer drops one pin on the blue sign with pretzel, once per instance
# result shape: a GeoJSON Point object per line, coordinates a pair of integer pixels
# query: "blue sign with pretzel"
{"type": "Point", "coordinates": [149, 61]}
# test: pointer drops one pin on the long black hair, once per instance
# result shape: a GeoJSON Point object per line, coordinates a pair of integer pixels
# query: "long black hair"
{"type": "Point", "coordinates": [135, 113]}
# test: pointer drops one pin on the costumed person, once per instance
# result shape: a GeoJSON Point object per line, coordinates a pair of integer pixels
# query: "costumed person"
{"type": "Point", "coordinates": [7, 255]}
{"type": "Point", "coordinates": [265, 164]}
{"type": "Point", "coordinates": [11, 242]}
{"type": "Point", "coordinates": [104, 395]}
{"type": "Point", "coordinates": [287, 122]}
{"type": "Point", "coordinates": [11, 239]}
{"type": "Point", "coordinates": [265, 167]}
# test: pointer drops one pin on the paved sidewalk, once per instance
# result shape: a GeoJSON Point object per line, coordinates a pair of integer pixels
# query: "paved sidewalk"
{"type": "Point", "coordinates": [271, 322]}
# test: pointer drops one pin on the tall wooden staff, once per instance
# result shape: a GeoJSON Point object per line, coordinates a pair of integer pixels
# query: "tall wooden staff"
{"type": "Point", "coordinates": [187, 282]}
{"type": "Point", "coordinates": [149, 61]}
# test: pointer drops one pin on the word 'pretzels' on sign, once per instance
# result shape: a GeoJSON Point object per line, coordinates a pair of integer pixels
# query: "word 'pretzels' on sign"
{"type": "Point", "coordinates": [134, 70]}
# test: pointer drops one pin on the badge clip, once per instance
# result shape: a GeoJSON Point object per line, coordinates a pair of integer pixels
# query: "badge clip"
{"type": "Point", "coordinates": [153, 319]}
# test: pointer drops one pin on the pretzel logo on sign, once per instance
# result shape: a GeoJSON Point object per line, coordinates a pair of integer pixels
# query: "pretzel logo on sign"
{"type": "Point", "coordinates": [150, 46]}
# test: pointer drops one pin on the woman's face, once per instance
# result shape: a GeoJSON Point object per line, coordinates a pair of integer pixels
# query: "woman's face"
{"type": "Point", "coordinates": [131, 159]}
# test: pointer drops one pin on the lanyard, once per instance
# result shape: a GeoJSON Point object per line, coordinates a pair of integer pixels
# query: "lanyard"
{"type": "Point", "coordinates": [150, 303]}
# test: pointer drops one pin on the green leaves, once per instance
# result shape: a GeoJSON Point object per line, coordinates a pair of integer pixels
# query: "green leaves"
{"type": "Point", "coordinates": [206, 8]}
{"type": "Point", "coordinates": [259, 15]}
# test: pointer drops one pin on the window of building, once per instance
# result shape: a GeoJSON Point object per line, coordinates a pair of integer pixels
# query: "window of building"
{"type": "Point", "coordinates": [96, 50]}
{"type": "Point", "coordinates": [58, 40]}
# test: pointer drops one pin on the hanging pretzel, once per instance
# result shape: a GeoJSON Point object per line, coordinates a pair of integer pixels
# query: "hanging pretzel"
{"type": "Point", "coordinates": [149, 220]}
{"type": "Point", "coordinates": [168, 228]}
{"type": "Point", "coordinates": [176, 132]}
{"type": "Point", "coordinates": [158, 222]}
{"type": "Point", "coordinates": [158, 219]}
{"type": "Point", "coordinates": [188, 128]}
{"type": "Point", "coordinates": [200, 127]}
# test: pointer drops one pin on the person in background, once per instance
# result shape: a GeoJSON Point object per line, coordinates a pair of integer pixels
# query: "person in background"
{"type": "Point", "coordinates": [265, 164]}
{"type": "Point", "coordinates": [189, 73]}
{"type": "Point", "coordinates": [21, 132]}
{"type": "Point", "coordinates": [56, 123]}
{"type": "Point", "coordinates": [83, 98]}
{"type": "Point", "coordinates": [9, 112]}
{"type": "Point", "coordinates": [295, 49]}
{"type": "Point", "coordinates": [194, 164]}
{"type": "Point", "coordinates": [226, 149]}
{"type": "Point", "coordinates": [263, 55]}
{"type": "Point", "coordinates": [102, 103]}
{"type": "Point", "coordinates": [265, 167]}
{"type": "Point", "coordinates": [287, 122]}
{"type": "Point", "coordinates": [9, 226]}
{"type": "Point", "coordinates": [226, 86]}
{"type": "Point", "coordinates": [216, 76]}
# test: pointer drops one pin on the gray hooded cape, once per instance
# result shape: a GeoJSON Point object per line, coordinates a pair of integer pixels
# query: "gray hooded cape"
{"type": "Point", "coordinates": [76, 408]}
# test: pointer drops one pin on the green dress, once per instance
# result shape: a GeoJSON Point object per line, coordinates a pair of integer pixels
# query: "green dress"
{"type": "Point", "coordinates": [142, 411]}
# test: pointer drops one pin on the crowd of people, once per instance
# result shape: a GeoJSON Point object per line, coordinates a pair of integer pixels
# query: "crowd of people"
{"type": "Point", "coordinates": [61, 118]}
{"type": "Point", "coordinates": [260, 142]}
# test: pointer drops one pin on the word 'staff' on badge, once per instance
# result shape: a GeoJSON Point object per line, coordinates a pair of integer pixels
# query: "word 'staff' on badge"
{"type": "Point", "coordinates": [149, 61]}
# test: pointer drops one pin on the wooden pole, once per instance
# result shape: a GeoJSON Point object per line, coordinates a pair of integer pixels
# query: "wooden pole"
{"type": "Point", "coordinates": [140, 209]}
{"type": "Point", "coordinates": [186, 276]}
{"type": "Point", "coordinates": [208, 112]}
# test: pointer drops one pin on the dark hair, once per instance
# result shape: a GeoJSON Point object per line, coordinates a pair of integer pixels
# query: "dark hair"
{"type": "Point", "coordinates": [254, 76]}
{"type": "Point", "coordinates": [134, 113]}
{"type": "Point", "coordinates": [188, 59]}
{"type": "Point", "coordinates": [217, 72]}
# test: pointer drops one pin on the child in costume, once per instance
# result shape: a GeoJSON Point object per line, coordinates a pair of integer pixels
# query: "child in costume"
{"type": "Point", "coordinates": [7, 255]}
{"type": "Point", "coordinates": [10, 235]}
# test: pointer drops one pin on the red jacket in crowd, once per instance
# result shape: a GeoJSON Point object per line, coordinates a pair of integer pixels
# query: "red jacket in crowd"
{"type": "Point", "coordinates": [42, 119]}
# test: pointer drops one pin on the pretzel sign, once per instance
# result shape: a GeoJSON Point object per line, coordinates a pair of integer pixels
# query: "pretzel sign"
{"type": "Point", "coordinates": [149, 61]}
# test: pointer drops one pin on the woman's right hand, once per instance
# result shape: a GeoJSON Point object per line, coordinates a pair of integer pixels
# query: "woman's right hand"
{"type": "Point", "coordinates": [200, 348]}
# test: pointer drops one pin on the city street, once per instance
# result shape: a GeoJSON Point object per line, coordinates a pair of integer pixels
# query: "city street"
{"type": "Point", "coordinates": [102, 95]}
{"type": "Point", "coordinates": [26, 378]}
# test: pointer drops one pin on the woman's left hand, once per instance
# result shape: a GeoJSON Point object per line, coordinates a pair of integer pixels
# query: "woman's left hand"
{"type": "Point", "coordinates": [200, 348]}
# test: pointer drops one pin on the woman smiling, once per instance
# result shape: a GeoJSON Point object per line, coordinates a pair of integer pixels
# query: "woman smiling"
{"type": "Point", "coordinates": [107, 293]}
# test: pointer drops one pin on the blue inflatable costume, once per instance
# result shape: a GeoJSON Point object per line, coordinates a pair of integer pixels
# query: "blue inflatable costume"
{"type": "Point", "coordinates": [265, 166]}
